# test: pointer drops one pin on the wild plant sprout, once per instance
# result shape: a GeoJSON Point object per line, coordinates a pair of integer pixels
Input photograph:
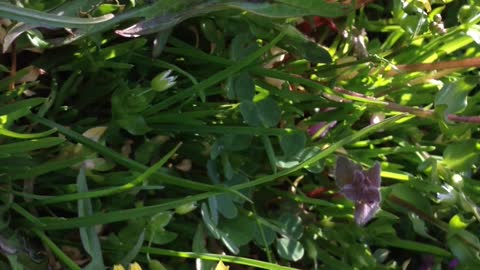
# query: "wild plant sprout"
{"type": "Point", "coordinates": [361, 187]}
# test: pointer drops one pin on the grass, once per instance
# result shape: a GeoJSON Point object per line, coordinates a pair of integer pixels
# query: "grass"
{"type": "Point", "coordinates": [107, 159]}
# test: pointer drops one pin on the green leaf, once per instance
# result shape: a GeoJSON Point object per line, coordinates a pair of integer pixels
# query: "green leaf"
{"type": "Point", "coordinates": [242, 46]}
{"type": "Point", "coordinates": [31, 145]}
{"type": "Point", "coordinates": [213, 207]}
{"type": "Point", "coordinates": [454, 95]}
{"type": "Point", "coordinates": [155, 265]}
{"type": "Point", "coordinates": [293, 8]}
{"type": "Point", "coordinates": [419, 226]}
{"type": "Point", "coordinates": [161, 237]}
{"type": "Point", "coordinates": [290, 249]}
{"type": "Point", "coordinates": [121, 49]}
{"type": "Point", "coordinates": [160, 220]}
{"type": "Point", "coordinates": [461, 156]}
{"type": "Point", "coordinates": [46, 19]}
{"type": "Point", "coordinates": [199, 245]}
{"type": "Point", "coordinates": [264, 113]}
{"type": "Point", "coordinates": [267, 144]}
{"type": "Point", "coordinates": [242, 87]}
{"type": "Point", "coordinates": [49, 166]}
{"type": "Point", "coordinates": [250, 114]}
{"type": "Point", "coordinates": [144, 152]}
{"type": "Point", "coordinates": [291, 226]}
{"type": "Point", "coordinates": [21, 107]}
{"type": "Point", "coordinates": [133, 123]}
{"type": "Point", "coordinates": [465, 252]}
{"type": "Point", "coordinates": [411, 196]}
{"type": "Point", "coordinates": [209, 223]}
{"type": "Point", "coordinates": [229, 243]}
{"type": "Point", "coordinates": [266, 238]}
{"type": "Point", "coordinates": [88, 235]}
{"type": "Point", "coordinates": [239, 230]}
{"type": "Point", "coordinates": [474, 32]}
{"type": "Point", "coordinates": [269, 112]}
{"type": "Point", "coordinates": [293, 143]}
{"type": "Point", "coordinates": [226, 207]}
{"type": "Point", "coordinates": [128, 234]}
{"type": "Point", "coordinates": [155, 230]}
{"type": "Point", "coordinates": [135, 250]}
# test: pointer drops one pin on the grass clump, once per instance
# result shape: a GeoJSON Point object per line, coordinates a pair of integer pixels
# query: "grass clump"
{"type": "Point", "coordinates": [280, 134]}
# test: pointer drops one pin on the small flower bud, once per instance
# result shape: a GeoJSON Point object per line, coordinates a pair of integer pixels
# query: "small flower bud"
{"type": "Point", "coordinates": [163, 81]}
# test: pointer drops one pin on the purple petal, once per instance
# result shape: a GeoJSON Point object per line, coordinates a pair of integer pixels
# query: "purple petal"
{"type": "Point", "coordinates": [344, 171]}
{"type": "Point", "coordinates": [312, 130]}
{"type": "Point", "coordinates": [373, 174]}
{"type": "Point", "coordinates": [350, 192]}
{"type": "Point", "coordinates": [361, 189]}
{"type": "Point", "coordinates": [453, 264]}
{"type": "Point", "coordinates": [364, 212]}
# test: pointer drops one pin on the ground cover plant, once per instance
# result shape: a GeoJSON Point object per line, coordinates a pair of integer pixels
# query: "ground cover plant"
{"type": "Point", "coordinates": [208, 134]}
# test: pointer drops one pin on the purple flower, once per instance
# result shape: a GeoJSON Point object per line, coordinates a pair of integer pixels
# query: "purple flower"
{"type": "Point", "coordinates": [361, 187]}
{"type": "Point", "coordinates": [453, 264]}
{"type": "Point", "coordinates": [320, 129]}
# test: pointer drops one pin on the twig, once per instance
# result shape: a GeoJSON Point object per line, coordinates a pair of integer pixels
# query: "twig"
{"type": "Point", "coordinates": [348, 96]}
{"type": "Point", "coordinates": [454, 64]}
{"type": "Point", "coordinates": [13, 68]}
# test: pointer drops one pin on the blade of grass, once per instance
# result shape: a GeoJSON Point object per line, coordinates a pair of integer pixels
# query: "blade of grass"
{"type": "Point", "coordinates": [216, 257]}
{"type": "Point", "coordinates": [326, 152]}
{"type": "Point", "coordinates": [270, 153]}
{"type": "Point", "coordinates": [21, 105]}
{"type": "Point", "coordinates": [104, 218]}
{"type": "Point", "coordinates": [417, 246]}
{"type": "Point", "coordinates": [88, 235]}
{"type": "Point", "coordinates": [31, 218]}
{"type": "Point", "coordinates": [48, 167]}
{"type": "Point", "coordinates": [216, 78]}
{"type": "Point", "coordinates": [26, 146]}
{"type": "Point", "coordinates": [47, 19]}
{"type": "Point", "coordinates": [115, 190]}
{"type": "Point", "coordinates": [239, 130]}
{"type": "Point", "coordinates": [17, 135]}
{"type": "Point", "coordinates": [48, 223]}
{"type": "Point", "coordinates": [131, 164]}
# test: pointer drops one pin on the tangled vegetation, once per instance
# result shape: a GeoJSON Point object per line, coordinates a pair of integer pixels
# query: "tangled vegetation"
{"type": "Point", "coordinates": [269, 134]}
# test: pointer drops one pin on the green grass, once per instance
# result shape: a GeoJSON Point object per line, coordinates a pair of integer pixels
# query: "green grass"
{"type": "Point", "coordinates": [231, 157]}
